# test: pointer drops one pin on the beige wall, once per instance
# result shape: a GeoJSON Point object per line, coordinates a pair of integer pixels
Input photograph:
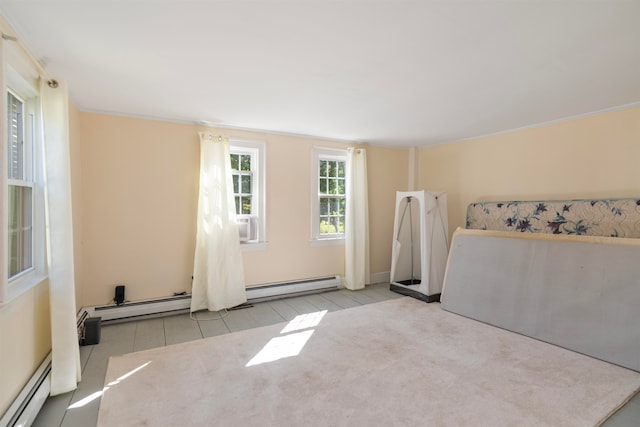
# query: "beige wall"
{"type": "Point", "coordinates": [595, 156]}
{"type": "Point", "coordinates": [25, 340]}
{"type": "Point", "coordinates": [138, 190]}
{"type": "Point", "coordinates": [388, 171]}
{"type": "Point", "coordinates": [138, 205]}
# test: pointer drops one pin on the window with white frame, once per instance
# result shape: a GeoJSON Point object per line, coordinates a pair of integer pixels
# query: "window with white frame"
{"type": "Point", "coordinates": [25, 197]}
{"type": "Point", "coordinates": [329, 188]}
{"type": "Point", "coordinates": [247, 170]}
{"type": "Point", "coordinates": [20, 191]}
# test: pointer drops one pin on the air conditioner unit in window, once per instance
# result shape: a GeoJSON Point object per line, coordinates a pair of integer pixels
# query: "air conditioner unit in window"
{"type": "Point", "coordinates": [244, 225]}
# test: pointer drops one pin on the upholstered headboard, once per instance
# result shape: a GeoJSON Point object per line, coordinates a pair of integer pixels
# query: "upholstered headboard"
{"type": "Point", "coordinates": [601, 217]}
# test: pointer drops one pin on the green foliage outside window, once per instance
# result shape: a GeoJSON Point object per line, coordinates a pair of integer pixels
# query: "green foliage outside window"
{"type": "Point", "coordinates": [332, 196]}
{"type": "Point", "coordinates": [242, 182]}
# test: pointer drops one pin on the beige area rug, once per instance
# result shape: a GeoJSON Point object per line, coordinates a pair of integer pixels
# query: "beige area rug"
{"type": "Point", "coordinates": [396, 363]}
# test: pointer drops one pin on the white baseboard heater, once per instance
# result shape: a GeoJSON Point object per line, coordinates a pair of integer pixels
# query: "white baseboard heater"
{"type": "Point", "coordinates": [24, 409]}
{"type": "Point", "coordinates": [181, 303]}
{"type": "Point", "coordinates": [148, 308]}
{"type": "Point", "coordinates": [286, 289]}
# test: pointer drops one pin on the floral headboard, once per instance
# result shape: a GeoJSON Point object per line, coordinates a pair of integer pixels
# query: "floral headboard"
{"type": "Point", "coordinates": [602, 217]}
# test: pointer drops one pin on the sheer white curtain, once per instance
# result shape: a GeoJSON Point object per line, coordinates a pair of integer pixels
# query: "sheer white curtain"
{"type": "Point", "coordinates": [218, 274]}
{"type": "Point", "coordinates": [65, 354]}
{"type": "Point", "coordinates": [356, 267]}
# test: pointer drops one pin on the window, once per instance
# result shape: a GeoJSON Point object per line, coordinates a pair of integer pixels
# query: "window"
{"type": "Point", "coordinates": [247, 170]}
{"type": "Point", "coordinates": [24, 191]}
{"type": "Point", "coordinates": [20, 191]}
{"type": "Point", "coordinates": [330, 193]}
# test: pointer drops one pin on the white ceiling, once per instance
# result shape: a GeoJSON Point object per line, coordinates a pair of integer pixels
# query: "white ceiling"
{"type": "Point", "coordinates": [391, 72]}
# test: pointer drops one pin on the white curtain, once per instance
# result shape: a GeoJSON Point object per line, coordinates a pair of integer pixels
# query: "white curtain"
{"type": "Point", "coordinates": [218, 273]}
{"type": "Point", "coordinates": [356, 250]}
{"type": "Point", "coordinates": [65, 353]}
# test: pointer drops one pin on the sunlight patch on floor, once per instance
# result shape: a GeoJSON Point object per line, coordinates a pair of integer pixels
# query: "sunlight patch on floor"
{"type": "Point", "coordinates": [304, 321]}
{"type": "Point", "coordinates": [289, 345]}
{"type": "Point", "coordinates": [281, 347]}
{"type": "Point", "coordinates": [96, 395]}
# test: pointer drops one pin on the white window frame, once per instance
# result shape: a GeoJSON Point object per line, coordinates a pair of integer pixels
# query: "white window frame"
{"type": "Point", "coordinates": [20, 87]}
{"type": "Point", "coordinates": [331, 154]}
{"type": "Point", "coordinates": [257, 217]}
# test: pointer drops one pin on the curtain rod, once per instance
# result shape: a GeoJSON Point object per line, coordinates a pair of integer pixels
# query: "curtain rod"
{"type": "Point", "coordinates": [210, 136]}
{"type": "Point", "coordinates": [41, 71]}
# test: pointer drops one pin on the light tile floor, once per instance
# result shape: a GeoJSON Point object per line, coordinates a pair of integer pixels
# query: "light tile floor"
{"type": "Point", "coordinates": [80, 407]}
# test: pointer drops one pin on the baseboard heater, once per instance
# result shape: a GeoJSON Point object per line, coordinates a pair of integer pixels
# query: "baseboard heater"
{"type": "Point", "coordinates": [143, 308]}
{"type": "Point", "coordinates": [293, 288]}
{"type": "Point", "coordinates": [24, 409]}
{"type": "Point", "coordinates": [181, 303]}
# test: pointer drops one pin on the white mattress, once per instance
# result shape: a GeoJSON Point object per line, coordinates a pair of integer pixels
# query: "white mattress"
{"type": "Point", "coordinates": [578, 292]}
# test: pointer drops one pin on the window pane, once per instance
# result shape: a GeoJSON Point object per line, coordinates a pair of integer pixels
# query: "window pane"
{"type": "Point", "coordinates": [323, 168]}
{"type": "Point", "coordinates": [332, 169]}
{"type": "Point", "coordinates": [341, 169]}
{"type": "Point", "coordinates": [246, 184]}
{"type": "Point", "coordinates": [20, 229]}
{"type": "Point", "coordinates": [237, 199]}
{"type": "Point", "coordinates": [324, 206]}
{"type": "Point", "coordinates": [323, 225]}
{"type": "Point", "coordinates": [236, 185]}
{"type": "Point", "coordinates": [246, 205]}
{"type": "Point", "coordinates": [15, 127]}
{"type": "Point", "coordinates": [335, 207]}
{"type": "Point", "coordinates": [234, 161]}
{"type": "Point", "coordinates": [323, 186]}
{"type": "Point", "coordinates": [332, 186]}
{"type": "Point", "coordinates": [333, 225]}
{"type": "Point", "coordinates": [245, 162]}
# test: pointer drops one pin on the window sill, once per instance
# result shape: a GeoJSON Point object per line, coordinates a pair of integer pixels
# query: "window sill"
{"type": "Point", "coordinates": [21, 285]}
{"type": "Point", "coordinates": [328, 241]}
{"type": "Point", "coordinates": [253, 246]}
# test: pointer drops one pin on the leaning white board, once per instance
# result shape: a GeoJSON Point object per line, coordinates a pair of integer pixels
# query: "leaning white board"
{"type": "Point", "coordinates": [578, 292]}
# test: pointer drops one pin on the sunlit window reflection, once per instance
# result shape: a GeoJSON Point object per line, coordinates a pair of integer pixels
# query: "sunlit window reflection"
{"type": "Point", "coordinates": [96, 395]}
{"type": "Point", "coordinates": [291, 344]}
{"type": "Point", "coordinates": [128, 374]}
{"type": "Point", "coordinates": [281, 347]}
{"type": "Point", "coordinates": [304, 321]}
